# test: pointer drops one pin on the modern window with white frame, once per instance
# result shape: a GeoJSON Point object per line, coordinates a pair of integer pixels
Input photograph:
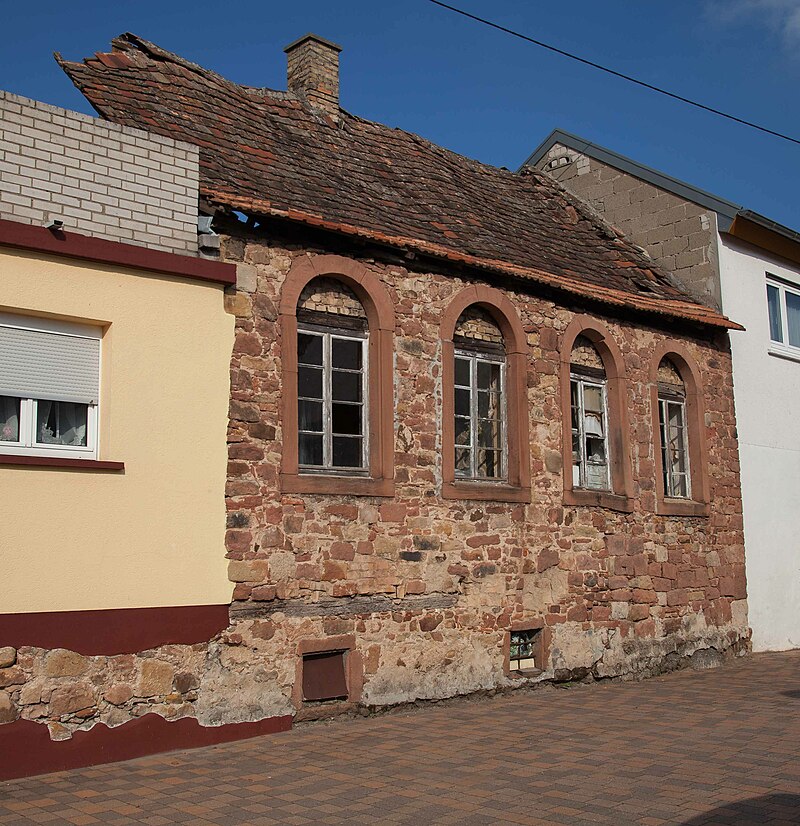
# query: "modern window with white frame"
{"type": "Point", "coordinates": [49, 387]}
{"type": "Point", "coordinates": [589, 416]}
{"type": "Point", "coordinates": [674, 444]}
{"type": "Point", "coordinates": [783, 306]}
{"type": "Point", "coordinates": [480, 416]}
{"type": "Point", "coordinates": [332, 388]}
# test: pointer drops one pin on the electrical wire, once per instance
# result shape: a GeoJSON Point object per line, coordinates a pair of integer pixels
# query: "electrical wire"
{"type": "Point", "coordinates": [615, 73]}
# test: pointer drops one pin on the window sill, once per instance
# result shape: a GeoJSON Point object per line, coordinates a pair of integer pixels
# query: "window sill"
{"type": "Point", "coordinates": [61, 462]}
{"type": "Point", "coordinates": [485, 492]}
{"type": "Point", "coordinates": [525, 674]}
{"type": "Point", "coordinates": [784, 353]}
{"type": "Point", "coordinates": [598, 498]}
{"type": "Point", "coordinates": [347, 485]}
{"type": "Point", "coordinates": [682, 507]}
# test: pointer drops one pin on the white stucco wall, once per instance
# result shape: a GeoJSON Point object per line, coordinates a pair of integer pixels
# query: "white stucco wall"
{"type": "Point", "coordinates": [767, 392]}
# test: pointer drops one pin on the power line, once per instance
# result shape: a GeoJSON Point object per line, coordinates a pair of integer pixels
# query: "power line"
{"type": "Point", "coordinates": [614, 73]}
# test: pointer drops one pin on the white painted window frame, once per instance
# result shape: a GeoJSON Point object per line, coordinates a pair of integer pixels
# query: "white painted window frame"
{"type": "Point", "coordinates": [782, 348]}
{"type": "Point", "coordinates": [327, 467]}
{"type": "Point", "coordinates": [663, 423]}
{"type": "Point", "coordinates": [27, 444]}
{"type": "Point", "coordinates": [582, 481]}
{"type": "Point", "coordinates": [474, 357]}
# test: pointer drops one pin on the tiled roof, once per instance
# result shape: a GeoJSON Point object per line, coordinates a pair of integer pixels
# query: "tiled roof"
{"type": "Point", "coordinates": [269, 153]}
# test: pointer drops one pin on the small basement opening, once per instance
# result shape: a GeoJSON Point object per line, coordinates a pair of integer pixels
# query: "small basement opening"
{"type": "Point", "coordinates": [324, 676]}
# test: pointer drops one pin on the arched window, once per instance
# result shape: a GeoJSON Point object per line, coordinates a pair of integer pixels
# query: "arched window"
{"type": "Point", "coordinates": [337, 326]}
{"type": "Point", "coordinates": [485, 450]}
{"type": "Point", "coordinates": [678, 427]}
{"type": "Point", "coordinates": [594, 416]}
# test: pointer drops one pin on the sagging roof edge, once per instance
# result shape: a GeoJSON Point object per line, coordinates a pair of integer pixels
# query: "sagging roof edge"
{"type": "Point", "coordinates": [686, 311]}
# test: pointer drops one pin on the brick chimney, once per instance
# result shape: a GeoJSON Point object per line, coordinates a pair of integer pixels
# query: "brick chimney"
{"type": "Point", "coordinates": [313, 72]}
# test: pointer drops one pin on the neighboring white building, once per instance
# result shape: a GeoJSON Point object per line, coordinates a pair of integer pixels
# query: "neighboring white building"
{"type": "Point", "coordinates": [749, 267]}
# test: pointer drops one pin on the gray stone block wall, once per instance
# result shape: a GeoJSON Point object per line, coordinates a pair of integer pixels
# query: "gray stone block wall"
{"type": "Point", "coordinates": [101, 179]}
{"type": "Point", "coordinates": [678, 234]}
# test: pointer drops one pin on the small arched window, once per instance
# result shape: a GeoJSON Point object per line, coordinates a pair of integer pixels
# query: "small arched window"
{"type": "Point", "coordinates": [332, 379]}
{"type": "Point", "coordinates": [485, 448]}
{"type": "Point", "coordinates": [673, 431]}
{"type": "Point", "coordinates": [479, 402]}
{"type": "Point", "coordinates": [596, 433]}
{"type": "Point", "coordinates": [679, 433]}
{"type": "Point", "coordinates": [337, 325]}
{"type": "Point", "coordinates": [588, 417]}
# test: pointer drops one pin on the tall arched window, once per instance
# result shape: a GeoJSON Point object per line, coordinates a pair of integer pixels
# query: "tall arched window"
{"type": "Point", "coordinates": [337, 326]}
{"type": "Point", "coordinates": [594, 418]}
{"type": "Point", "coordinates": [678, 433]}
{"type": "Point", "coordinates": [485, 449]}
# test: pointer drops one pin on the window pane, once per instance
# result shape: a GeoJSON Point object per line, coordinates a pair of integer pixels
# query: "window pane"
{"type": "Point", "coordinates": [489, 434]}
{"type": "Point", "coordinates": [310, 450]}
{"type": "Point", "coordinates": [488, 376]}
{"type": "Point", "coordinates": [463, 461]}
{"type": "Point", "coordinates": [596, 450]}
{"type": "Point", "coordinates": [593, 398]}
{"type": "Point", "coordinates": [346, 452]}
{"type": "Point", "coordinates": [679, 486]}
{"type": "Point", "coordinates": [462, 430]}
{"type": "Point", "coordinates": [309, 415]}
{"type": "Point", "coordinates": [309, 382]}
{"type": "Point", "coordinates": [793, 318]}
{"type": "Point", "coordinates": [9, 419]}
{"type": "Point", "coordinates": [346, 352]}
{"type": "Point", "coordinates": [575, 398]}
{"type": "Point", "coordinates": [345, 387]}
{"type": "Point", "coordinates": [462, 402]}
{"type": "Point", "coordinates": [346, 418]}
{"type": "Point", "coordinates": [61, 423]}
{"type": "Point", "coordinates": [774, 306]}
{"type": "Point", "coordinates": [489, 464]}
{"type": "Point", "coordinates": [462, 372]}
{"type": "Point", "coordinates": [309, 349]}
{"type": "Point", "coordinates": [488, 405]}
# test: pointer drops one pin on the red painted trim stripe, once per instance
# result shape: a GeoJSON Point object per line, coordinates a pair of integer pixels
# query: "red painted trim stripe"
{"type": "Point", "coordinates": [114, 631]}
{"type": "Point", "coordinates": [26, 748]}
{"type": "Point", "coordinates": [73, 245]}
{"type": "Point", "coordinates": [58, 461]}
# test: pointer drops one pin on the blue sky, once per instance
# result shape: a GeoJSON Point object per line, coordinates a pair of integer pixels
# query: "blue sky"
{"type": "Point", "coordinates": [483, 93]}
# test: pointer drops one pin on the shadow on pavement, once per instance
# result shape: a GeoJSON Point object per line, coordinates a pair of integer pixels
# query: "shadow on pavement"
{"type": "Point", "coordinates": [772, 809]}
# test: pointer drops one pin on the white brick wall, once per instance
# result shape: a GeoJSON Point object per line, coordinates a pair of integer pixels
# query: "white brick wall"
{"type": "Point", "coordinates": [101, 179]}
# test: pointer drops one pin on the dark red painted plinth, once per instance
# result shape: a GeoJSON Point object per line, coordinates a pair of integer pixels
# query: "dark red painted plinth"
{"type": "Point", "coordinates": [26, 748]}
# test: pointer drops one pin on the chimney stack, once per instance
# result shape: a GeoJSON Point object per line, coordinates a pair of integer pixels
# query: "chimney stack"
{"type": "Point", "coordinates": [313, 72]}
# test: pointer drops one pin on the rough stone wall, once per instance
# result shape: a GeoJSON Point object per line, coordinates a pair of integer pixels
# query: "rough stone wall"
{"type": "Point", "coordinates": [101, 179]}
{"type": "Point", "coordinates": [428, 587]}
{"type": "Point", "coordinates": [475, 323]}
{"type": "Point", "coordinates": [680, 235]}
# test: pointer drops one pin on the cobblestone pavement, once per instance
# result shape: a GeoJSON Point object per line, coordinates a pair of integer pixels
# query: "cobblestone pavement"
{"type": "Point", "coordinates": [691, 748]}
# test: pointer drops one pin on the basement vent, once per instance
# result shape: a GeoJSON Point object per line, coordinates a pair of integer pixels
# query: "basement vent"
{"type": "Point", "coordinates": [324, 676]}
{"type": "Point", "coordinates": [524, 650]}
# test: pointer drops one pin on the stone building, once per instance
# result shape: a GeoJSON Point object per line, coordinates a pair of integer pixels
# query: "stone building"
{"type": "Point", "coordinates": [476, 441]}
{"type": "Point", "coordinates": [747, 266]}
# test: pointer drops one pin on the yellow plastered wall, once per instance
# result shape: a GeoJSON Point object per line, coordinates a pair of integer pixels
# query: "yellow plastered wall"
{"type": "Point", "coordinates": [153, 535]}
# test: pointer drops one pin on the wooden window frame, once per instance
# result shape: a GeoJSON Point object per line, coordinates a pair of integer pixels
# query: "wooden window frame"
{"type": "Point", "coordinates": [699, 503]}
{"type": "Point", "coordinates": [380, 397]}
{"type": "Point", "coordinates": [542, 654]}
{"type": "Point", "coordinates": [474, 357]}
{"type": "Point", "coordinates": [600, 384]}
{"type": "Point", "coordinates": [620, 497]}
{"type": "Point", "coordinates": [328, 335]}
{"type": "Point", "coordinates": [517, 485]}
